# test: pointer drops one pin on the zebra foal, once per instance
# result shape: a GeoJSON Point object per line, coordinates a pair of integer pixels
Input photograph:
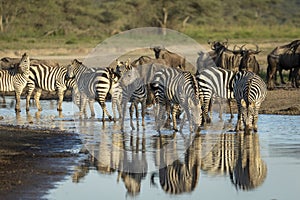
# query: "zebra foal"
{"type": "Point", "coordinates": [15, 79]}
{"type": "Point", "coordinates": [249, 91]}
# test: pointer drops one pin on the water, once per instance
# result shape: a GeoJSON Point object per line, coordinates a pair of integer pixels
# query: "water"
{"type": "Point", "coordinates": [214, 165]}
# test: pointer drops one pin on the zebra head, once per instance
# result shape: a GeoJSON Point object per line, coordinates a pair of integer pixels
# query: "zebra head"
{"type": "Point", "coordinates": [129, 77]}
{"type": "Point", "coordinates": [24, 64]}
{"type": "Point", "coordinates": [72, 68]}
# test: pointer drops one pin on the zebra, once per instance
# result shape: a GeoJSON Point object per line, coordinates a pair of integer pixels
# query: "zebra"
{"type": "Point", "coordinates": [47, 78]}
{"type": "Point", "coordinates": [132, 89]}
{"type": "Point", "coordinates": [249, 92]}
{"type": "Point", "coordinates": [92, 83]}
{"type": "Point", "coordinates": [215, 82]}
{"type": "Point", "coordinates": [15, 79]}
{"type": "Point", "coordinates": [174, 86]}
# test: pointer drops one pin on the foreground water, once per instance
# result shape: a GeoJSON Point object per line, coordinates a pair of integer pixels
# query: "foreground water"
{"type": "Point", "coordinates": [217, 163]}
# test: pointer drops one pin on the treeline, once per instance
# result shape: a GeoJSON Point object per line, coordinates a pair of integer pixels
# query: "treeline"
{"type": "Point", "coordinates": [102, 18]}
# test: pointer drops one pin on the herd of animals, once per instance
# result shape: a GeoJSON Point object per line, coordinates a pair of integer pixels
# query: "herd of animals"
{"type": "Point", "coordinates": [163, 81]}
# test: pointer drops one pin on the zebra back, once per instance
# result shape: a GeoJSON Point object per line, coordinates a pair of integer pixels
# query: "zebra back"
{"type": "Point", "coordinates": [48, 78]}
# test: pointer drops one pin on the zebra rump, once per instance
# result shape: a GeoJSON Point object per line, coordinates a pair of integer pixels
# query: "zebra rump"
{"type": "Point", "coordinates": [214, 82]}
{"type": "Point", "coordinates": [249, 91]}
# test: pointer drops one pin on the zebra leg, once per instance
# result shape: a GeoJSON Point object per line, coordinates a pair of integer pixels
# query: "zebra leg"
{"type": "Point", "coordinates": [37, 99]}
{"type": "Point", "coordinates": [168, 111]}
{"type": "Point", "coordinates": [131, 109]}
{"type": "Point", "coordinates": [137, 113]}
{"type": "Point", "coordinates": [83, 99]}
{"type": "Point", "coordinates": [124, 103]}
{"type": "Point", "coordinates": [239, 119]}
{"type": "Point", "coordinates": [113, 107]}
{"type": "Point", "coordinates": [103, 106]}
{"type": "Point", "coordinates": [144, 104]}
{"type": "Point", "coordinates": [60, 99]}
{"type": "Point", "coordinates": [174, 111]}
{"type": "Point", "coordinates": [28, 95]}
{"type": "Point", "coordinates": [230, 109]}
{"type": "Point", "coordinates": [18, 97]}
{"type": "Point", "coordinates": [91, 106]}
{"type": "Point", "coordinates": [255, 118]}
{"type": "Point", "coordinates": [207, 107]}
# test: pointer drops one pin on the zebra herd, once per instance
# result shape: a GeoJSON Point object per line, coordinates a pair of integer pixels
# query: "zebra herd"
{"type": "Point", "coordinates": [171, 87]}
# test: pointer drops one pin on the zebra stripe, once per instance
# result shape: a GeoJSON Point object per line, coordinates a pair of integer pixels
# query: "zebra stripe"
{"type": "Point", "coordinates": [249, 91]}
{"type": "Point", "coordinates": [15, 79]}
{"type": "Point", "coordinates": [92, 84]}
{"type": "Point", "coordinates": [48, 78]}
{"type": "Point", "coordinates": [135, 91]}
{"type": "Point", "coordinates": [215, 82]}
{"type": "Point", "coordinates": [176, 87]}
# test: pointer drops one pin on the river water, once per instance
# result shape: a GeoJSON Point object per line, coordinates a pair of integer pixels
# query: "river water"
{"type": "Point", "coordinates": [218, 163]}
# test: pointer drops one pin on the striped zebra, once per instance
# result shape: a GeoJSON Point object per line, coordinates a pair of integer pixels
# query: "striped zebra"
{"type": "Point", "coordinates": [92, 83]}
{"type": "Point", "coordinates": [132, 89]}
{"type": "Point", "coordinates": [172, 86]}
{"type": "Point", "coordinates": [249, 92]}
{"type": "Point", "coordinates": [48, 78]}
{"type": "Point", "coordinates": [215, 82]}
{"type": "Point", "coordinates": [15, 79]}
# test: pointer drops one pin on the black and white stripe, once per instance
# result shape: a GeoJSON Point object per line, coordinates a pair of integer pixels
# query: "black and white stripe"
{"type": "Point", "coordinates": [172, 86]}
{"type": "Point", "coordinates": [215, 82]}
{"type": "Point", "coordinates": [92, 83]}
{"type": "Point", "coordinates": [15, 79]}
{"type": "Point", "coordinates": [47, 78]}
{"type": "Point", "coordinates": [132, 89]}
{"type": "Point", "coordinates": [249, 91]}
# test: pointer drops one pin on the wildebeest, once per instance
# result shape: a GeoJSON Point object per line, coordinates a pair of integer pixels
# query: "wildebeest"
{"type": "Point", "coordinates": [146, 59]}
{"type": "Point", "coordinates": [248, 60]}
{"type": "Point", "coordinates": [173, 59]}
{"type": "Point", "coordinates": [282, 57]}
{"type": "Point", "coordinates": [224, 57]}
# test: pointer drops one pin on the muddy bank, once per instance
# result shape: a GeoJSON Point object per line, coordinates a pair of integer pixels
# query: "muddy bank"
{"type": "Point", "coordinates": [32, 161]}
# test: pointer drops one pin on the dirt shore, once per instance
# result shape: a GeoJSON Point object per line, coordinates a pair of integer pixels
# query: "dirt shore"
{"type": "Point", "coordinates": [31, 161]}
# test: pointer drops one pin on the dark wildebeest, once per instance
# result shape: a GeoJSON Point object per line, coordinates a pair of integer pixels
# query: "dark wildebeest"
{"type": "Point", "coordinates": [282, 57]}
{"type": "Point", "coordinates": [224, 57]}
{"type": "Point", "coordinates": [173, 59]}
{"type": "Point", "coordinates": [248, 61]}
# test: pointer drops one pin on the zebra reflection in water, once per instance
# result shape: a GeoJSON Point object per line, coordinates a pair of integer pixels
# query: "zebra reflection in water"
{"type": "Point", "coordinates": [236, 155]}
{"type": "Point", "coordinates": [176, 176]}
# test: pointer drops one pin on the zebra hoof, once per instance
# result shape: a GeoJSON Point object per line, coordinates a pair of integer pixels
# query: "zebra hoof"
{"type": "Point", "coordinates": [175, 129]}
{"type": "Point", "coordinates": [110, 118]}
{"type": "Point", "coordinates": [59, 109]}
{"type": "Point", "coordinates": [17, 110]}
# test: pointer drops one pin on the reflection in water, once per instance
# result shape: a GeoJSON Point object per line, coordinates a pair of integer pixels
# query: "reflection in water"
{"type": "Point", "coordinates": [134, 167]}
{"type": "Point", "coordinates": [250, 170]}
{"type": "Point", "coordinates": [179, 176]}
{"type": "Point", "coordinates": [236, 156]}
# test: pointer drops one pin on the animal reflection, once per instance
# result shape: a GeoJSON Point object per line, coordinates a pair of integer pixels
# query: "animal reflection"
{"type": "Point", "coordinates": [121, 153]}
{"type": "Point", "coordinates": [236, 155]}
{"type": "Point", "coordinates": [176, 176]}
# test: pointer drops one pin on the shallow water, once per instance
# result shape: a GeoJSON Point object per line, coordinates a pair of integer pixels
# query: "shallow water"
{"type": "Point", "coordinates": [215, 164]}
